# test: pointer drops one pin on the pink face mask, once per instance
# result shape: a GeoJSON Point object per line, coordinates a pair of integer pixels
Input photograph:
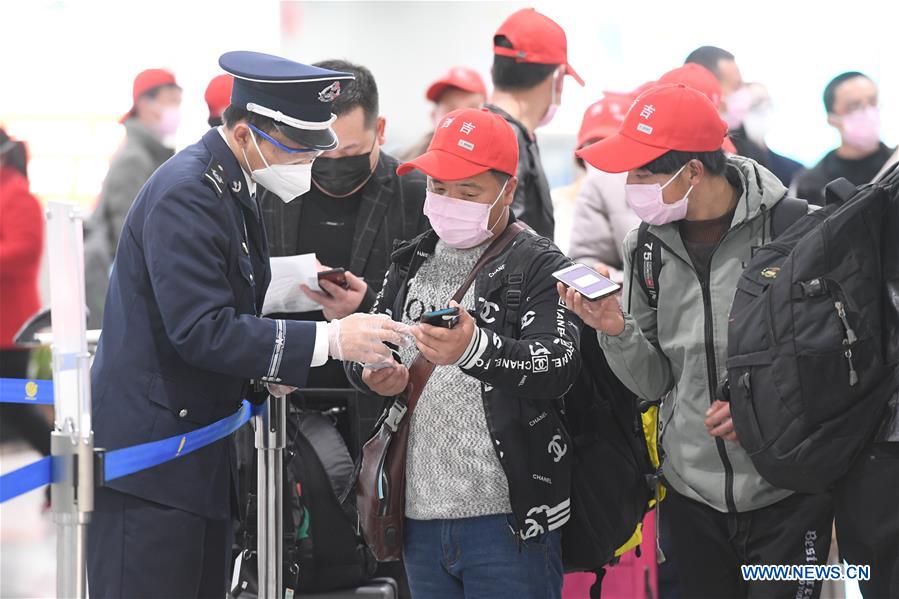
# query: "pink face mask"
{"type": "Point", "coordinates": [168, 122]}
{"type": "Point", "coordinates": [646, 201]}
{"type": "Point", "coordinates": [738, 106]}
{"type": "Point", "coordinates": [861, 128]}
{"type": "Point", "coordinates": [459, 223]}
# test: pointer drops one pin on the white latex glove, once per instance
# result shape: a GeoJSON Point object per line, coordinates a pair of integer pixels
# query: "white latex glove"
{"type": "Point", "coordinates": [279, 390]}
{"type": "Point", "coordinates": [361, 337]}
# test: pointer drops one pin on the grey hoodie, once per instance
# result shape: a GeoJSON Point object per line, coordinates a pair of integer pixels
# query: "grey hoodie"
{"type": "Point", "coordinates": [679, 350]}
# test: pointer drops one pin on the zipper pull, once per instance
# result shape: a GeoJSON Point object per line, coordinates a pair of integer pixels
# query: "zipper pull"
{"type": "Point", "coordinates": [853, 375]}
{"type": "Point", "coordinates": [851, 338]}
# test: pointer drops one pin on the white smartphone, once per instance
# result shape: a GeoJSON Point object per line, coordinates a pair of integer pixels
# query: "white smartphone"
{"type": "Point", "coordinates": [586, 281]}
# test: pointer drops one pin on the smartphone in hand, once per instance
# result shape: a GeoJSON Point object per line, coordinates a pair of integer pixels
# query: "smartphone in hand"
{"type": "Point", "coordinates": [336, 276]}
{"type": "Point", "coordinates": [446, 318]}
{"type": "Point", "coordinates": [587, 282]}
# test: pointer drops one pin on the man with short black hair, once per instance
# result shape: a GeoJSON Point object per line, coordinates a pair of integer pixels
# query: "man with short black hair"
{"type": "Point", "coordinates": [355, 209]}
{"type": "Point", "coordinates": [736, 100]}
{"type": "Point", "coordinates": [851, 103]}
{"type": "Point", "coordinates": [529, 65]}
{"type": "Point", "coordinates": [707, 212]}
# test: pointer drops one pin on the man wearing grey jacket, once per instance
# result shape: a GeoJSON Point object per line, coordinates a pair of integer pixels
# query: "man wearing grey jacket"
{"type": "Point", "coordinates": [708, 212]}
{"type": "Point", "coordinates": [149, 124]}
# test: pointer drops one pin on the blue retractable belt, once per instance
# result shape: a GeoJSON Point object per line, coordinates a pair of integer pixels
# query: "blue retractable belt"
{"type": "Point", "coordinates": [128, 460]}
{"type": "Point", "coordinates": [26, 391]}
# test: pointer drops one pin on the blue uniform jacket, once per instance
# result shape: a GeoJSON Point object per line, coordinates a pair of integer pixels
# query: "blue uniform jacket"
{"type": "Point", "coordinates": [181, 335]}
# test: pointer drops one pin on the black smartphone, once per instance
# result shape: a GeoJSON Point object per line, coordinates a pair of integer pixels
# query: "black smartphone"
{"type": "Point", "coordinates": [336, 276]}
{"type": "Point", "coordinates": [446, 318]}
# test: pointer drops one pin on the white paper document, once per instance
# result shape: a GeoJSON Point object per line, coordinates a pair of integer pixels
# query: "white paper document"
{"type": "Point", "coordinates": [284, 293]}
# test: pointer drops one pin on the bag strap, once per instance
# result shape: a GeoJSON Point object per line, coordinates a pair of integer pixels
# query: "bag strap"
{"type": "Point", "coordinates": [786, 212]}
{"type": "Point", "coordinates": [647, 264]}
{"type": "Point", "coordinates": [421, 368]}
{"type": "Point", "coordinates": [839, 191]}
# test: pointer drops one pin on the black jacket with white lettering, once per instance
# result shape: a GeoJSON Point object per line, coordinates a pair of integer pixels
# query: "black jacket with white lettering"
{"type": "Point", "coordinates": [525, 355]}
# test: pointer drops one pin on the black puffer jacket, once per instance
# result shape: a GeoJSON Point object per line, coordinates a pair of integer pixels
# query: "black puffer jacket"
{"type": "Point", "coordinates": [526, 357]}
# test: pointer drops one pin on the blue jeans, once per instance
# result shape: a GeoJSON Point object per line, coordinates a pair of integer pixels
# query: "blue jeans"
{"type": "Point", "coordinates": [480, 558]}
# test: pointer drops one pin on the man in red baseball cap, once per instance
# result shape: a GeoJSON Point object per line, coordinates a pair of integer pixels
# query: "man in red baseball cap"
{"type": "Point", "coordinates": [703, 214]}
{"type": "Point", "coordinates": [149, 124]}
{"type": "Point", "coordinates": [600, 218]}
{"type": "Point", "coordinates": [459, 87]}
{"type": "Point", "coordinates": [483, 424]}
{"type": "Point", "coordinates": [218, 97]}
{"type": "Point", "coordinates": [529, 66]}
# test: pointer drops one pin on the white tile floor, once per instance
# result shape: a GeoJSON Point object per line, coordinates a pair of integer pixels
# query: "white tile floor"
{"type": "Point", "coordinates": [27, 536]}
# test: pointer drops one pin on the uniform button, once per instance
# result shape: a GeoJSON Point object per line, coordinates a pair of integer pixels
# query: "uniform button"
{"type": "Point", "coordinates": [182, 413]}
{"type": "Point", "coordinates": [251, 278]}
{"type": "Point", "coordinates": [246, 250]}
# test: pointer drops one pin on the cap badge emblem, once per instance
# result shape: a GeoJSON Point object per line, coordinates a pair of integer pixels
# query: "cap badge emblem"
{"type": "Point", "coordinates": [329, 93]}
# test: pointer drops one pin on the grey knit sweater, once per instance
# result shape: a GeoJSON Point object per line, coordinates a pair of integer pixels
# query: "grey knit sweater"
{"type": "Point", "coordinates": [451, 468]}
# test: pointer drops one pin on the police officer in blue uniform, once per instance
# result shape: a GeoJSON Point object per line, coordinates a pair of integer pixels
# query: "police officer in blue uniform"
{"type": "Point", "coordinates": [183, 337]}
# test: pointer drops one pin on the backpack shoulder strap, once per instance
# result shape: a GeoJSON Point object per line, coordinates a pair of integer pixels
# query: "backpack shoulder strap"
{"type": "Point", "coordinates": [647, 264]}
{"type": "Point", "coordinates": [839, 191]}
{"type": "Point", "coordinates": [786, 212]}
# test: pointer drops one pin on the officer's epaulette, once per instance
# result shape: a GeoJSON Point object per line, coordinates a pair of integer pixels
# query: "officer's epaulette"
{"type": "Point", "coordinates": [214, 177]}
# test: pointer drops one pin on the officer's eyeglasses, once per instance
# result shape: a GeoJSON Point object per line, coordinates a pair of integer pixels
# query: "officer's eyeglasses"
{"type": "Point", "coordinates": [309, 154]}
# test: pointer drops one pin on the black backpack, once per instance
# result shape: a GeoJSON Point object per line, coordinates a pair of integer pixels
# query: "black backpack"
{"type": "Point", "coordinates": [613, 478]}
{"type": "Point", "coordinates": [808, 378]}
{"type": "Point", "coordinates": [322, 548]}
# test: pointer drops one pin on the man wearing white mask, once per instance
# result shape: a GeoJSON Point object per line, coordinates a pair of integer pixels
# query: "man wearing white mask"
{"type": "Point", "coordinates": [182, 334]}
{"type": "Point", "coordinates": [150, 125]}
{"type": "Point", "coordinates": [530, 63]}
{"type": "Point", "coordinates": [757, 123]}
{"type": "Point", "coordinates": [850, 100]}
{"type": "Point", "coordinates": [736, 98]}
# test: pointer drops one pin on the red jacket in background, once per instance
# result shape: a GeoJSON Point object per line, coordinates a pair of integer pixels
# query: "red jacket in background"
{"type": "Point", "coordinates": [21, 245]}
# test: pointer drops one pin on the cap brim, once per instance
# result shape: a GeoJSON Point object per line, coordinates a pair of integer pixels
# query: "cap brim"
{"type": "Point", "coordinates": [437, 88]}
{"type": "Point", "coordinates": [316, 139]}
{"type": "Point", "coordinates": [619, 154]}
{"type": "Point", "coordinates": [570, 71]}
{"type": "Point", "coordinates": [442, 165]}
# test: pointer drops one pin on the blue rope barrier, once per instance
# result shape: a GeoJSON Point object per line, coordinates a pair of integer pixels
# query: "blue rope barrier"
{"type": "Point", "coordinates": [26, 391]}
{"type": "Point", "coordinates": [128, 460]}
{"type": "Point", "coordinates": [25, 479]}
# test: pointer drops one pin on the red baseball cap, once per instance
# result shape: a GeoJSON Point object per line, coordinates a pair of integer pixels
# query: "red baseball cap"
{"type": "Point", "coordinates": [146, 81]}
{"type": "Point", "coordinates": [602, 119]}
{"type": "Point", "coordinates": [218, 95]}
{"type": "Point", "coordinates": [697, 77]}
{"type": "Point", "coordinates": [664, 118]}
{"type": "Point", "coordinates": [462, 78]}
{"type": "Point", "coordinates": [535, 38]}
{"type": "Point", "coordinates": [468, 142]}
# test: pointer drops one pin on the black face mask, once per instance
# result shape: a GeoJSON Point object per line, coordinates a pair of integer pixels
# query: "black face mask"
{"type": "Point", "coordinates": [340, 177]}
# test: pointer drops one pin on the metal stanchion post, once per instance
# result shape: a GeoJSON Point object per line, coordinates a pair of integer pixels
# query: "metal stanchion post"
{"type": "Point", "coordinates": [270, 424]}
{"type": "Point", "coordinates": [72, 492]}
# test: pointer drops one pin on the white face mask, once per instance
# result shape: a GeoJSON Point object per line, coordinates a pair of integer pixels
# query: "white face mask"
{"type": "Point", "coordinates": [287, 181]}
